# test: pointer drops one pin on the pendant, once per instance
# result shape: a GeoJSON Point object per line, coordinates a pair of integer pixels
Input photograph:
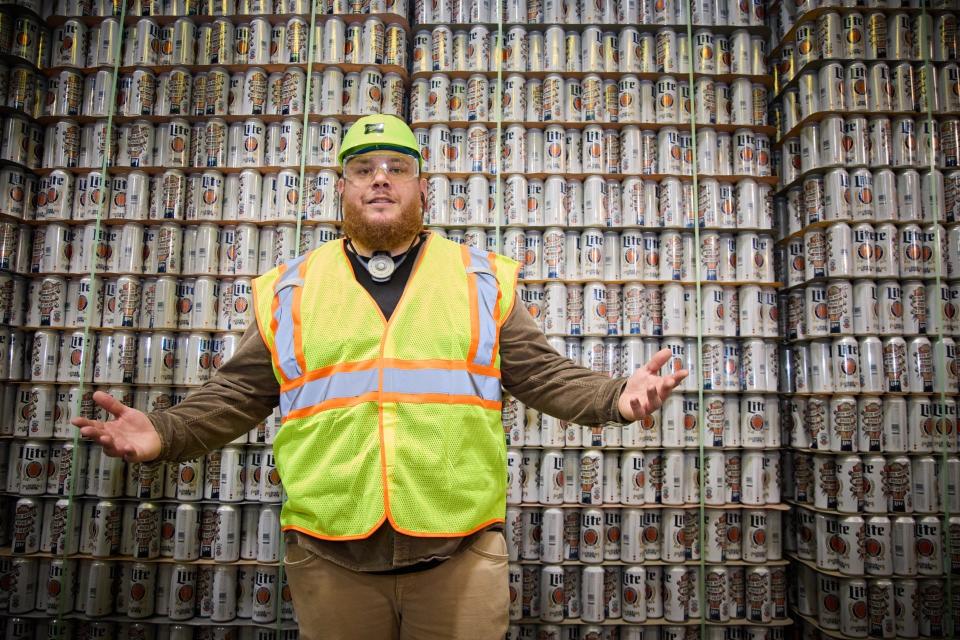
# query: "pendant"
{"type": "Point", "coordinates": [381, 267]}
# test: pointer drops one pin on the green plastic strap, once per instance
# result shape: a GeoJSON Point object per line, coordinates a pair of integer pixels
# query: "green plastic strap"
{"type": "Point", "coordinates": [695, 201]}
{"type": "Point", "coordinates": [928, 96]}
{"type": "Point", "coordinates": [86, 351]}
{"type": "Point", "coordinates": [301, 212]}
{"type": "Point", "coordinates": [497, 194]}
{"type": "Point", "coordinates": [305, 137]}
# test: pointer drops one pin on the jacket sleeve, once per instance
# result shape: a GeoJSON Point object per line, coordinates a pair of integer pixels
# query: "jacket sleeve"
{"type": "Point", "coordinates": [239, 396]}
{"type": "Point", "coordinates": [534, 373]}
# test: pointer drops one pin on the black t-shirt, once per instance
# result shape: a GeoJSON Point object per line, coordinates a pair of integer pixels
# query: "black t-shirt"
{"type": "Point", "coordinates": [386, 294]}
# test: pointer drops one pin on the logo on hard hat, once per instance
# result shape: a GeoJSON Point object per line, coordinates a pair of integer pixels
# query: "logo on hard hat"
{"type": "Point", "coordinates": [373, 128]}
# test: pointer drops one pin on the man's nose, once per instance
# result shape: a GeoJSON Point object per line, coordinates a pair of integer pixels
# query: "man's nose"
{"type": "Point", "coordinates": [380, 176]}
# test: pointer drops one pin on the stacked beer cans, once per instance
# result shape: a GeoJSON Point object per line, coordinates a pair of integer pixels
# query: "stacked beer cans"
{"type": "Point", "coordinates": [593, 183]}
{"type": "Point", "coordinates": [788, 191]}
{"type": "Point", "coordinates": [868, 207]}
{"type": "Point", "coordinates": [210, 118]}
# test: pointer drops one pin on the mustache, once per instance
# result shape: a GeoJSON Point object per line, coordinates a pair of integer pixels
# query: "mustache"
{"type": "Point", "coordinates": [380, 235]}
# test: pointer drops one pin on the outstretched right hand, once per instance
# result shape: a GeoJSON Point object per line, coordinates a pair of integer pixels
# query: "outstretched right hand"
{"type": "Point", "coordinates": [130, 435]}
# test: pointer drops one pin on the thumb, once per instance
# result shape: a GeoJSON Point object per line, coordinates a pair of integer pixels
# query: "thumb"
{"type": "Point", "coordinates": [109, 403]}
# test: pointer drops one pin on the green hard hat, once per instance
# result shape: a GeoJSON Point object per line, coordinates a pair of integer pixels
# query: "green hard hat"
{"type": "Point", "coordinates": [371, 133]}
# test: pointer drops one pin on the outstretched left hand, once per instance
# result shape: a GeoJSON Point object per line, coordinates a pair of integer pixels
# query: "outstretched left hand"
{"type": "Point", "coordinates": [646, 389]}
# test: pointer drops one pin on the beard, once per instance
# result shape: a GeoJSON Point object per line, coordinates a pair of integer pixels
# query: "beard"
{"type": "Point", "coordinates": [382, 236]}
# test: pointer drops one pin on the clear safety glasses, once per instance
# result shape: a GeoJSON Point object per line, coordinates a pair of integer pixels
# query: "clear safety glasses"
{"type": "Point", "coordinates": [361, 169]}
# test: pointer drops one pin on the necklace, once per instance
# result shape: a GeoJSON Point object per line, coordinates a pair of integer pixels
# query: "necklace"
{"type": "Point", "coordinates": [381, 265]}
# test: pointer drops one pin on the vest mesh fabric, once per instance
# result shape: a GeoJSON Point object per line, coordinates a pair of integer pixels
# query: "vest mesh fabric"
{"type": "Point", "coordinates": [443, 451]}
{"type": "Point", "coordinates": [340, 486]}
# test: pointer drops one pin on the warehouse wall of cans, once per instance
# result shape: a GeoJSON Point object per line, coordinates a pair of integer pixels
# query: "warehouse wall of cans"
{"type": "Point", "coordinates": [867, 204]}
{"type": "Point", "coordinates": [772, 191]}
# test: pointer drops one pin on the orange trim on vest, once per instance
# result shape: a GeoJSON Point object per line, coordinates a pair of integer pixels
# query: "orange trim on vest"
{"type": "Point", "coordinates": [395, 527]}
{"type": "Point", "coordinates": [274, 352]}
{"type": "Point", "coordinates": [297, 326]}
{"type": "Point", "coordinates": [325, 372]}
{"type": "Point", "coordinates": [336, 403]}
{"type": "Point", "coordinates": [491, 257]}
{"type": "Point", "coordinates": [314, 534]}
{"type": "Point", "coordinates": [513, 301]}
{"type": "Point", "coordinates": [442, 398]}
{"type": "Point", "coordinates": [472, 300]}
{"type": "Point", "coordinates": [256, 307]}
{"type": "Point", "coordinates": [383, 449]}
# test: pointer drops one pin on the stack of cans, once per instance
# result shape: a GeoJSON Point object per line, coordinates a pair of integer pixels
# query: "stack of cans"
{"type": "Point", "coordinates": [24, 35]}
{"type": "Point", "coordinates": [867, 207]}
{"type": "Point", "coordinates": [798, 210]}
{"type": "Point", "coordinates": [596, 163]}
{"type": "Point", "coordinates": [569, 13]}
{"type": "Point", "coordinates": [222, 508]}
{"type": "Point", "coordinates": [211, 121]}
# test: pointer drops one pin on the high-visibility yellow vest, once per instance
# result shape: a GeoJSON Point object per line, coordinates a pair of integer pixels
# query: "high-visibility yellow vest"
{"type": "Point", "coordinates": [393, 420]}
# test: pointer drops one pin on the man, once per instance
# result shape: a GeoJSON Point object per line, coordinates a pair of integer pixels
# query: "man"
{"type": "Point", "coordinates": [386, 352]}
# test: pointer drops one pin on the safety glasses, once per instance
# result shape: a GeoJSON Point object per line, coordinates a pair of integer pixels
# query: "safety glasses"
{"type": "Point", "coordinates": [362, 169]}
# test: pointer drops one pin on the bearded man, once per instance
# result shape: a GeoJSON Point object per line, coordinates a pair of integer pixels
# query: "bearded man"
{"type": "Point", "coordinates": [387, 352]}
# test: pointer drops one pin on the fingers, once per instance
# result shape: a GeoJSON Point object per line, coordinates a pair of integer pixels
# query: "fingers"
{"type": "Point", "coordinates": [98, 432]}
{"type": "Point", "coordinates": [659, 359]}
{"type": "Point", "coordinates": [116, 448]}
{"type": "Point", "coordinates": [671, 382]}
{"type": "Point", "coordinates": [653, 399]}
{"type": "Point", "coordinates": [109, 403]}
{"type": "Point", "coordinates": [94, 430]}
{"type": "Point", "coordinates": [108, 443]}
{"type": "Point", "coordinates": [639, 407]}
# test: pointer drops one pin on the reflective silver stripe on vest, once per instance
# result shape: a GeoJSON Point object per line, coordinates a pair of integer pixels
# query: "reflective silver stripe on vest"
{"type": "Point", "coordinates": [445, 381]}
{"type": "Point", "coordinates": [346, 384]}
{"type": "Point", "coordinates": [283, 337]}
{"type": "Point", "coordinates": [350, 384]}
{"type": "Point", "coordinates": [486, 302]}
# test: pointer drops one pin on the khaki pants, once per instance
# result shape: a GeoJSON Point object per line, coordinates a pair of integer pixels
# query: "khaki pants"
{"type": "Point", "coordinates": [464, 598]}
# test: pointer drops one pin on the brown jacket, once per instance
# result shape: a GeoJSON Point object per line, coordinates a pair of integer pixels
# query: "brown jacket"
{"type": "Point", "coordinates": [244, 392]}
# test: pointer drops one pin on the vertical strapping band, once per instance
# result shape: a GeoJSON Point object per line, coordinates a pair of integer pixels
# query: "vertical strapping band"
{"type": "Point", "coordinates": [929, 96]}
{"type": "Point", "coordinates": [695, 201]}
{"type": "Point", "coordinates": [87, 351]}
{"type": "Point", "coordinates": [301, 211]}
{"type": "Point", "coordinates": [304, 138]}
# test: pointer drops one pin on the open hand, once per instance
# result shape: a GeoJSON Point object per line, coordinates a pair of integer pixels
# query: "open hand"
{"type": "Point", "coordinates": [130, 435]}
{"type": "Point", "coordinates": [646, 389]}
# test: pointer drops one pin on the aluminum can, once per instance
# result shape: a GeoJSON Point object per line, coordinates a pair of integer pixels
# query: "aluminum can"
{"type": "Point", "coordinates": [928, 544]}
{"type": "Point", "coordinates": [182, 592]}
{"type": "Point", "coordinates": [551, 593]}
{"type": "Point", "coordinates": [190, 480]}
{"type": "Point", "coordinates": [853, 608]}
{"type": "Point", "coordinates": [591, 535]}
{"type": "Point", "coordinates": [147, 522]}
{"type": "Point", "coordinates": [920, 368]}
